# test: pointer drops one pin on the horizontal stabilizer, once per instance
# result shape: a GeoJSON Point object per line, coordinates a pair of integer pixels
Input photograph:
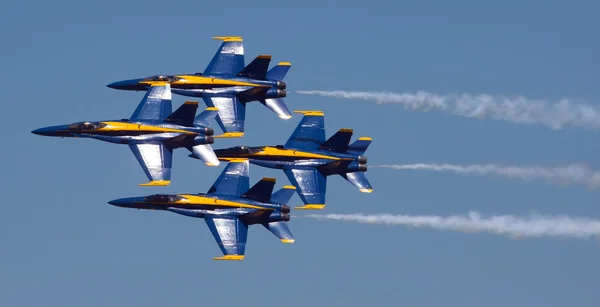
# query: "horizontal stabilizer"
{"type": "Point", "coordinates": [277, 105]}
{"type": "Point", "coordinates": [184, 115]}
{"type": "Point", "coordinates": [278, 72]}
{"type": "Point", "coordinates": [261, 191]}
{"type": "Point", "coordinates": [257, 69]}
{"type": "Point", "coordinates": [281, 231]}
{"type": "Point", "coordinates": [205, 118]}
{"type": "Point", "coordinates": [205, 153]}
{"type": "Point", "coordinates": [283, 196]}
{"type": "Point", "coordinates": [359, 180]}
{"type": "Point", "coordinates": [360, 146]}
{"type": "Point", "coordinates": [339, 141]}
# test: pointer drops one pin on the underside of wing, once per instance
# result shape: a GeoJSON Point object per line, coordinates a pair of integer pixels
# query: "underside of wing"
{"type": "Point", "coordinates": [231, 235]}
{"type": "Point", "coordinates": [311, 185]}
{"type": "Point", "coordinates": [234, 179]}
{"type": "Point", "coordinates": [231, 113]}
{"type": "Point", "coordinates": [229, 59]}
{"type": "Point", "coordinates": [310, 132]}
{"type": "Point", "coordinates": [156, 161]}
{"type": "Point", "coordinates": [156, 104]}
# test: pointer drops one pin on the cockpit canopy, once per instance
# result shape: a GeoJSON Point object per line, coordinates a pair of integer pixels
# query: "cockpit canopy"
{"type": "Point", "coordinates": [86, 126]}
{"type": "Point", "coordinates": [162, 78]}
{"type": "Point", "coordinates": [246, 149]}
{"type": "Point", "coordinates": [163, 198]}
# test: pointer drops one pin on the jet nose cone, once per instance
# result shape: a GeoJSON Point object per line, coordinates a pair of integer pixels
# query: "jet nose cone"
{"type": "Point", "coordinates": [46, 131]}
{"type": "Point", "coordinates": [38, 131]}
{"type": "Point", "coordinates": [128, 85]}
{"type": "Point", "coordinates": [115, 202]}
{"type": "Point", "coordinates": [121, 202]}
{"type": "Point", "coordinates": [117, 85]}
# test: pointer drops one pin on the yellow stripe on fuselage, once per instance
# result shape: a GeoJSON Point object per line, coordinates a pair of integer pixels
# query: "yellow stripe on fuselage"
{"type": "Point", "coordinates": [120, 126]}
{"type": "Point", "coordinates": [210, 201]}
{"type": "Point", "coordinates": [189, 79]}
{"type": "Point", "coordinates": [273, 151]}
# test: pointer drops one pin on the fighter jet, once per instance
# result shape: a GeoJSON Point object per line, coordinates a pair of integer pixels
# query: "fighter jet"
{"type": "Point", "coordinates": [152, 132]}
{"type": "Point", "coordinates": [228, 85]}
{"type": "Point", "coordinates": [307, 158]}
{"type": "Point", "coordinates": [228, 208]}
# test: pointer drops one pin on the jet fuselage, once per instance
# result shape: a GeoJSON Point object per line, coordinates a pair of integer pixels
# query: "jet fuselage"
{"type": "Point", "coordinates": [202, 206]}
{"type": "Point", "coordinates": [198, 85]}
{"type": "Point", "coordinates": [279, 157]}
{"type": "Point", "coordinates": [133, 132]}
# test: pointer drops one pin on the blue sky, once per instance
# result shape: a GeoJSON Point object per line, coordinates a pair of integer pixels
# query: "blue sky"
{"type": "Point", "coordinates": [63, 245]}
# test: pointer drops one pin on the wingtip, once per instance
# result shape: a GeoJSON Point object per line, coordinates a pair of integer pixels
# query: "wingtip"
{"type": "Point", "coordinates": [310, 112]}
{"type": "Point", "coordinates": [156, 183]}
{"type": "Point", "coordinates": [234, 160]}
{"type": "Point", "coordinates": [230, 257]}
{"type": "Point", "coordinates": [311, 207]}
{"type": "Point", "coordinates": [289, 241]}
{"type": "Point", "coordinates": [285, 116]}
{"type": "Point", "coordinates": [213, 163]}
{"type": "Point", "coordinates": [365, 138]}
{"type": "Point", "coordinates": [228, 38]}
{"type": "Point", "coordinates": [284, 64]}
{"type": "Point", "coordinates": [366, 190]}
{"type": "Point", "coordinates": [211, 109]}
{"type": "Point", "coordinates": [291, 187]}
{"type": "Point", "coordinates": [230, 135]}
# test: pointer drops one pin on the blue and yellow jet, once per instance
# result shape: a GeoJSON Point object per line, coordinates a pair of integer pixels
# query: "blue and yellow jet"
{"type": "Point", "coordinates": [152, 132]}
{"type": "Point", "coordinates": [308, 158]}
{"type": "Point", "coordinates": [228, 208]}
{"type": "Point", "coordinates": [228, 85]}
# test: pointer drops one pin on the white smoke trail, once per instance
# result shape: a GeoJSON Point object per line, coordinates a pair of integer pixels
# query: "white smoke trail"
{"type": "Point", "coordinates": [534, 226]}
{"type": "Point", "coordinates": [517, 109]}
{"type": "Point", "coordinates": [561, 175]}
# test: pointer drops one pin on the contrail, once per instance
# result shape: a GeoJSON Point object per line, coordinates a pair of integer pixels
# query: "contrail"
{"type": "Point", "coordinates": [517, 109]}
{"type": "Point", "coordinates": [534, 226]}
{"type": "Point", "coordinates": [561, 175]}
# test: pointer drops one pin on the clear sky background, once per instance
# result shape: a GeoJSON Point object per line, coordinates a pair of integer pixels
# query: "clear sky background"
{"type": "Point", "coordinates": [61, 244]}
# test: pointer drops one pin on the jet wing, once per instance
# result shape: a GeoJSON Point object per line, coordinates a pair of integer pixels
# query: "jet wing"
{"type": "Point", "coordinates": [229, 59]}
{"type": "Point", "coordinates": [231, 234]}
{"type": "Point", "coordinates": [156, 161]}
{"type": "Point", "coordinates": [310, 185]}
{"type": "Point", "coordinates": [310, 132]}
{"type": "Point", "coordinates": [234, 179]}
{"type": "Point", "coordinates": [156, 104]}
{"type": "Point", "coordinates": [231, 114]}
